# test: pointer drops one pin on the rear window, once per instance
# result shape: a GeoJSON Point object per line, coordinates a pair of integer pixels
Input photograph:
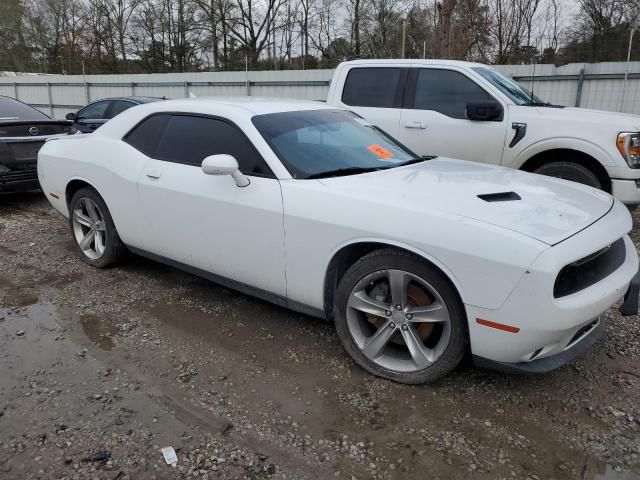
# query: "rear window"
{"type": "Point", "coordinates": [374, 87]}
{"type": "Point", "coordinates": [147, 134]}
{"type": "Point", "coordinates": [11, 109]}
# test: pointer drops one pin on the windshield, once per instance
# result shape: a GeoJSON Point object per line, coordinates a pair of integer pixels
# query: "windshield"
{"type": "Point", "coordinates": [316, 142]}
{"type": "Point", "coordinates": [510, 88]}
{"type": "Point", "coordinates": [11, 109]}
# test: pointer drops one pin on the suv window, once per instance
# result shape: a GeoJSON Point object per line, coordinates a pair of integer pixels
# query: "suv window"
{"type": "Point", "coordinates": [190, 139]}
{"type": "Point", "coordinates": [95, 111]}
{"type": "Point", "coordinates": [374, 87]}
{"type": "Point", "coordinates": [120, 106]}
{"type": "Point", "coordinates": [147, 134]}
{"type": "Point", "coordinates": [447, 92]}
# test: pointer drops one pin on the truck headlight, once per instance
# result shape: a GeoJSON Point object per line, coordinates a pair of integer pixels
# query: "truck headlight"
{"type": "Point", "coordinates": [629, 146]}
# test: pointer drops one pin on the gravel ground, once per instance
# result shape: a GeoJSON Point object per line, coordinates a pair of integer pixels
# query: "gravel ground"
{"type": "Point", "coordinates": [103, 368]}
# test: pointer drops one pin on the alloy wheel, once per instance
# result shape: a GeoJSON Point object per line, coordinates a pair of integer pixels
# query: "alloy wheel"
{"type": "Point", "coordinates": [89, 228]}
{"type": "Point", "coordinates": [398, 320]}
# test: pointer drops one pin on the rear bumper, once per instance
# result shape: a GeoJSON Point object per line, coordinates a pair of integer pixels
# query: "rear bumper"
{"type": "Point", "coordinates": [544, 365]}
{"type": "Point", "coordinates": [19, 178]}
{"type": "Point", "coordinates": [627, 191]}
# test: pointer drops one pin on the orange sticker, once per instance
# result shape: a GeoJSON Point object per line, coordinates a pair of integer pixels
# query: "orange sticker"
{"type": "Point", "coordinates": [380, 151]}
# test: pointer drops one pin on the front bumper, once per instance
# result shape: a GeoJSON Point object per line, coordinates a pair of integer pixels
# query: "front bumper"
{"type": "Point", "coordinates": [544, 365]}
{"type": "Point", "coordinates": [627, 191]}
{"type": "Point", "coordinates": [539, 325]}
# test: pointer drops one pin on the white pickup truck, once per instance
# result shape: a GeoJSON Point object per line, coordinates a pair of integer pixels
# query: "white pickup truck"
{"type": "Point", "coordinates": [470, 111]}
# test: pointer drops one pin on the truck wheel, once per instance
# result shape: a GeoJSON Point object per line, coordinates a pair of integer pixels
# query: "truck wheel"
{"type": "Point", "coordinates": [570, 171]}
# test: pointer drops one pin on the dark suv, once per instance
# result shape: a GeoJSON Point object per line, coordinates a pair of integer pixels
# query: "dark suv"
{"type": "Point", "coordinates": [23, 130]}
{"type": "Point", "coordinates": [97, 113]}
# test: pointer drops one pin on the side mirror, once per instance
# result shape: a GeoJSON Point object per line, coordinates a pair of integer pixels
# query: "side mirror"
{"type": "Point", "coordinates": [484, 111]}
{"type": "Point", "coordinates": [224, 165]}
{"type": "Point", "coordinates": [70, 116]}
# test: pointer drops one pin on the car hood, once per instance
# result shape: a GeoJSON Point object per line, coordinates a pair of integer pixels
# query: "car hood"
{"type": "Point", "coordinates": [612, 120]}
{"type": "Point", "coordinates": [548, 209]}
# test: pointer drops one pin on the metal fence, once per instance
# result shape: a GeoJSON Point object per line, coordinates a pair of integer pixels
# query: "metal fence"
{"type": "Point", "coordinates": [606, 86]}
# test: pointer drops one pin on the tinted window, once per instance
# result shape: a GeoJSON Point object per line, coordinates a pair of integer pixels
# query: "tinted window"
{"type": "Point", "coordinates": [318, 141]}
{"type": "Point", "coordinates": [188, 139]}
{"type": "Point", "coordinates": [447, 92]}
{"type": "Point", "coordinates": [373, 87]}
{"type": "Point", "coordinates": [94, 111]}
{"type": "Point", "coordinates": [146, 136]}
{"type": "Point", "coordinates": [13, 109]}
{"type": "Point", "coordinates": [120, 106]}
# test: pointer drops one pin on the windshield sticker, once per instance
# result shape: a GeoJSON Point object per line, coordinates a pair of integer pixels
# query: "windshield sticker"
{"type": "Point", "coordinates": [380, 151]}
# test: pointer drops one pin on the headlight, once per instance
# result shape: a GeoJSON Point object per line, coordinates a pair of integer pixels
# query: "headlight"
{"type": "Point", "coordinates": [629, 146]}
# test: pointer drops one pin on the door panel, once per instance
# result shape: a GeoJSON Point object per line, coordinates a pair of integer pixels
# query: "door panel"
{"type": "Point", "coordinates": [434, 122]}
{"type": "Point", "coordinates": [208, 222]}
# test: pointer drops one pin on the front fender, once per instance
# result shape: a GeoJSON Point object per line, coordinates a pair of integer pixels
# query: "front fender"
{"type": "Point", "coordinates": [565, 143]}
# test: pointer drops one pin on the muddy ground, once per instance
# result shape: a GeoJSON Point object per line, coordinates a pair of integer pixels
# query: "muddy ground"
{"type": "Point", "coordinates": [99, 369]}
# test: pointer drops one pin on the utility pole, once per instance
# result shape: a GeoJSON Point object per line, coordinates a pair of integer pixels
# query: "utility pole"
{"type": "Point", "coordinates": [404, 38]}
{"type": "Point", "coordinates": [626, 72]}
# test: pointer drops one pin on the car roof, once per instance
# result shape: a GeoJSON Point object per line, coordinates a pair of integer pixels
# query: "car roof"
{"type": "Point", "coordinates": [414, 61]}
{"type": "Point", "coordinates": [251, 105]}
{"type": "Point", "coordinates": [137, 99]}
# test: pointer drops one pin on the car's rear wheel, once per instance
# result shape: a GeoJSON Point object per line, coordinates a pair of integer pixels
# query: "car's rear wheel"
{"type": "Point", "coordinates": [400, 318]}
{"type": "Point", "coordinates": [570, 171]}
{"type": "Point", "coordinates": [93, 230]}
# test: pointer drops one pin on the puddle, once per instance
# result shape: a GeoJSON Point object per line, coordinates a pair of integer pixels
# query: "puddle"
{"type": "Point", "coordinates": [100, 330]}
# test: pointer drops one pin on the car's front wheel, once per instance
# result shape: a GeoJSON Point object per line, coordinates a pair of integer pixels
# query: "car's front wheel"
{"type": "Point", "coordinates": [400, 318]}
{"type": "Point", "coordinates": [94, 233]}
{"type": "Point", "coordinates": [570, 171]}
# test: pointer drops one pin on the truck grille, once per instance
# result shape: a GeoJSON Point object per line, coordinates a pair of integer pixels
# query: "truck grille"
{"type": "Point", "coordinates": [590, 270]}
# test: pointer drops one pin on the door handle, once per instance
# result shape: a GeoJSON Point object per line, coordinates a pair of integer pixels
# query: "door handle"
{"type": "Point", "coordinates": [419, 125]}
{"type": "Point", "coordinates": [154, 175]}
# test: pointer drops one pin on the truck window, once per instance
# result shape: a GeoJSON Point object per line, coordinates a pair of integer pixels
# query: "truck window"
{"type": "Point", "coordinates": [447, 92]}
{"type": "Point", "coordinates": [374, 87]}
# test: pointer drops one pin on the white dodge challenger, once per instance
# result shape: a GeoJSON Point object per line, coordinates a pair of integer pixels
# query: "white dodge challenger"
{"type": "Point", "coordinates": [418, 261]}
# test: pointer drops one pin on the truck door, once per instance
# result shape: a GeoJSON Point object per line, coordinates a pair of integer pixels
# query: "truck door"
{"type": "Point", "coordinates": [434, 120]}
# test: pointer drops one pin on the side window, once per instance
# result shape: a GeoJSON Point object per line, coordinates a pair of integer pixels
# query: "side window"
{"type": "Point", "coordinates": [146, 135]}
{"type": "Point", "coordinates": [189, 140]}
{"type": "Point", "coordinates": [120, 106]}
{"type": "Point", "coordinates": [374, 87]}
{"type": "Point", "coordinates": [447, 92]}
{"type": "Point", "coordinates": [95, 111]}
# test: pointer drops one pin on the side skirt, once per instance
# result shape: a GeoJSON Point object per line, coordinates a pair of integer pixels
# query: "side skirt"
{"type": "Point", "coordinates": [233, 284]}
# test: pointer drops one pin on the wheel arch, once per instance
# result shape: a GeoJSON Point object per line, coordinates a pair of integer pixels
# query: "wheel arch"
{"type": "Point", "coordinates": [570, 155]}
{"type": "Point", "coordinates": [347, 254]}
{"type": "Point", "coordinates": [76, 184]}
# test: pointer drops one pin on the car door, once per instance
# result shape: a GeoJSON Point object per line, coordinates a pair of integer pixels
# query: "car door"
{"type": "Point", "coordinates": [434, 120]}
{"type": "Point", "coordinates": [376, 93]}
{"type": "Point", "coordinates": [207, 221]}
{"type": "Point", "coordinates": [92, 116]}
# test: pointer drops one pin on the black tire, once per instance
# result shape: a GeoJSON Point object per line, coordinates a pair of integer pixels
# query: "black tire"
{"type": "Point", "coordinates": [458, 343]}
{"type": "Point", "coordinates": [570, 171]}
{"type": "Point", "coordinates": [114, 250]}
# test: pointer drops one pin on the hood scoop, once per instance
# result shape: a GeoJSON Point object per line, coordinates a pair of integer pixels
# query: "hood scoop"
{"type": "Point", "coordinates": [500, 197]}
